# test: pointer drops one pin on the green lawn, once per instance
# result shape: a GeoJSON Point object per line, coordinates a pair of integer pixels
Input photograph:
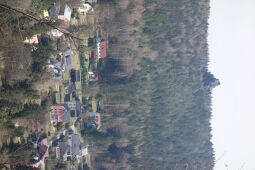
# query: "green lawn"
{"type": "Point", "coordinates": [66, 76]}
{"type": "Point", "coordinates": [76, 61]}
{"type": "Point", "coordinates": [58, 97]}
{"type": "Point", "coordinates": [62, 93]}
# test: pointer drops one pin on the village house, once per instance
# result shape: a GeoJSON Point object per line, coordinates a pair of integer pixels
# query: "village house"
{"type": "Point", "coordinates": [61, 151]}
{"type": "Point", "coordinates": [68, 59]}
{"type": "Point", "coordinates": [75, 75]}
{"type": "Point", "coordinates": [94, 120]}
{"type": "Point", "coordinates": [92, 73]}
{"type": "Point", "coordinates": [59, 113]}
{"type": "Point", "coordinates": [84, 9]}
{"type": "Point", "coordinates": [100, 51]}
{"type": "Point", "coordinates": [69, 90]}
{"type": "Point", "coordinates": [65, 13]}
{"type": "Point", "coordinates": [34, 40]}
{"type": "Point", "coordinates": [71, 148]}
{"type": "Point", "coordinates": [45, 14]}
{"type": "Point", "coordinates": [53, 11]}
{"type": "Point", "coordinates": [42, 149]}
{"type": "Point", "coordinates": [54, 33]}
{"type": "Point", "coordinates": [75, 107]}
{"type": "Point", "coordinates": [91, 2]}
{"type": "Point", "coordinates": [93, 76]}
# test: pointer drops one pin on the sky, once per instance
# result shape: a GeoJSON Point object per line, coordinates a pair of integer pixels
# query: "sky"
{"type": "Point", "coordinates": [232, 61]}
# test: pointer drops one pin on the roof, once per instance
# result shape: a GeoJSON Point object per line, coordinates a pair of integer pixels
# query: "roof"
{"type": "Point", "coordinates": [75, 111]}
{"type": "Point", "coordinates": [65, 12]}
{"type": "Point", "coordinates": [68, 52]}
{"type": "Point", "coordinates": [92, 114]}
{"type": "Point", "coordinates": [33, 40]}
{"type": "Point", "coordinates": [70, 89]}
{"type": "Point", "coordinates": [55, 33]}
{"type": "Point", "coordinates": [43, 148]}
{"type": "Point", "coordinates": [75, 75]}
{"type": "Point", "coordinates": [78, 107]}
{"type": "Point", "coordinates": [91, 2]}
{"type": "Point", "coordinates": [62, 149]}
{"type": "Point", "coordinates": [45, 14]}
{"type": "Point", "coordinates": [68, 61]}
{"type": "Point", "coordinates": [53, 10]}
{"type": "Point", "coordinates": [66, 116]}
{"type": "Point", "coordinates": [74, 142]}
{"type": "Point", "coordinates": [103, 49]}
{"type": "Point", "coordinates": [60, 113]}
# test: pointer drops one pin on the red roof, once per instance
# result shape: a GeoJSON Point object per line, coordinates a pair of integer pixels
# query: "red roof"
{"type": "Point", "coordinates": [58, 112]}
{"type": "Point", "coordinates": [103, 49]}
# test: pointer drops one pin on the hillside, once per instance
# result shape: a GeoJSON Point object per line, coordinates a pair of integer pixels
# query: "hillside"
{"type": "Point", "coordinates": [161, 52]}
{"type": "Point", "coordinates": [133, 85]}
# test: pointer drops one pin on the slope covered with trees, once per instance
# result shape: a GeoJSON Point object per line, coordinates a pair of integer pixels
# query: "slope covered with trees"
{"type": "Point", "coordinates": [169, 94]}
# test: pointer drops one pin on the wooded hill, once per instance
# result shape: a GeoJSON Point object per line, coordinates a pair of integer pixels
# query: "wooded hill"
{"type": "Point", "coordinates": [159, 52]}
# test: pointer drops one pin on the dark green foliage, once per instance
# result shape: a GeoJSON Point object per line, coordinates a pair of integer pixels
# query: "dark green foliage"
{"type": "Point", "coordinates": [32, 111]}
{"type": "Point", "coordinates": [42, 54]}
{"type": "Point", "coordinates": [8, 109]}
{"type": "Point", "coordinates": [85, 167]}
{"type": "Point", "coordinates": [169, 107]}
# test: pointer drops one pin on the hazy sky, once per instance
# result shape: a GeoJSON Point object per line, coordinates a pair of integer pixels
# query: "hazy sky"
{"type": "Point", "coordinates": [232, 60]}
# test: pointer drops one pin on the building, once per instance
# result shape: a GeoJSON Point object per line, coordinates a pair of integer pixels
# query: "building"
{"type": "Point", "coordinates": [91, 2]}
{"type": "Point", "coordinates": [92, 73]}
{"type": "Point", "coordinates": [68, 59]}
{"type": "Point", "coordinates": [84, 9]}
{"type": "Point", "coordinates": [74, 145]}
{"type": "Point", "coordinates": [69, 89]}
{"type": "Point", "coordinates": [69, 92]}
{"type": "Point", "coordinates": [70, 149]}
{"type": "Point", "coordinates": [75, 107]}
{"type": "Point", "coordinates": [93, 76]}
{"type": "Point", "coordinates": [34, 40]}
{"type": "Point", "coordinates": [65, 13]}
{"type": "Point", "coordinates": [55, 33]}
{"type": "Point", "coordinates": [100, 51]}
{"type": "Point", "coordinates": [94, 120]}
{"type": "Point", "coordinates": [59, 113]}
{"type": "Point", "coordinates": [42, 149]}
{"type": "Point", "coordinates": [61, 151]}
{"type": "Point", "coordinates": [53, 11]}
{"type": "Point", "coordinates": [75, 75]}
{"type": "Point", "coordinates": [45, 14]}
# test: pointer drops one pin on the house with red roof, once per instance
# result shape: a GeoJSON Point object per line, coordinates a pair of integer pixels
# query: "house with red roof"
{"type": "Point", "coordinates": [59, 113]}
{"type": "Point", "coordinates": [100, 51]}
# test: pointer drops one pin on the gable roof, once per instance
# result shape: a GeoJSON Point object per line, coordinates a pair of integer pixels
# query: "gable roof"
{"type": "Point", "coordinates": [70, 88]}
{"type": "Point", "coordinates": [74, 143]}
{"type": "Point", "coordinates": [65, 12]}
{"type": "Point", "coordinates": [102, 46]}
{"type": "Point", "coordinates": [92, 114]}
{"type": "Point", "coordinates": [43, 148]}
{"type": "Point", "coordinates": [53, 10]}
{"type": "Point", "coordinates": [68, 52]}
{"type": "Point", "coordinates": [75, 75]}
{"type": "Point", "coordinates": [68, 63]}
{"type": "Point", "coordinates": [62, 150]}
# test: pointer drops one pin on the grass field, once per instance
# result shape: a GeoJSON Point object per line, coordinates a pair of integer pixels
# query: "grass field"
{"type": "Point", "coordinates": [76, 61]}
{"type": "Point", "coordinates": [66, 76]}
{"type": "Point", "coordinates": [62, 94]}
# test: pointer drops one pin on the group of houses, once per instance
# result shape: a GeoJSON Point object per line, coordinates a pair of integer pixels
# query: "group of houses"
{"type": "Point", "coordinates": [71, 149]}
{"type": "Point", "coordinates": [62, 15]}
{"type": "Point", "coordinates": [70, 108]}
{"type": "Point", "coordinates": [97, 53]}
